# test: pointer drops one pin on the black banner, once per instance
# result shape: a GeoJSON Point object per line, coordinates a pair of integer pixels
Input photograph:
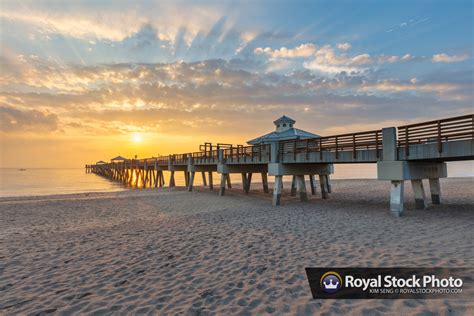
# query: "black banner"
{"type": "Point", "coordinates": [391, 283]}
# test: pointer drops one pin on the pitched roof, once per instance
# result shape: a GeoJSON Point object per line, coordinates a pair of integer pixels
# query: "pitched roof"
{"type": "Point", "coordinates": [292, 133]}
{"type": "Point", "coordinates": [100, 162]}
{"type": "Point", "coordinates": [118, 158]}
{"type": "Point", "coordinates": [284, 119]}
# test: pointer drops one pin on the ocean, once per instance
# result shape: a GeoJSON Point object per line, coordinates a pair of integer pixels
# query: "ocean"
{"type": "Point", "coordinates": [42, 181]}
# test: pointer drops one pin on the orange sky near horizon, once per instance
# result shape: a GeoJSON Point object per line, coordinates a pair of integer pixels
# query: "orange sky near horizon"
{"type": "Point", "coordinates": [66, 150]}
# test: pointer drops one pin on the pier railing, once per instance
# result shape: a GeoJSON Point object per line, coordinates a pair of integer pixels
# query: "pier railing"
{"type": "Point", "coordinates": [335, 144]}
{"type": "Point", "coordinates": [438, 131]}
{"type": "Point", "coordinates": [203, 157]}
{"type": "Point", "coordinates": [163, 160]}
{"type": "Point", "coordinates": [259, 153]}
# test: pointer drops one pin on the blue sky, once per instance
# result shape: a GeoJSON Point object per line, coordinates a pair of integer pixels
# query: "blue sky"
{"type": "Point", "coordinates": [180, 70]}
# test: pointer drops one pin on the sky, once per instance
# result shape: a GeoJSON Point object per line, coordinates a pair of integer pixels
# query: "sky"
{"type": "Point", "coordinates": [82, 81]}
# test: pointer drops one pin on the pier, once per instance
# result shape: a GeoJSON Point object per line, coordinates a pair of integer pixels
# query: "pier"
{"type": "Point", "coordinates": [413, 152]}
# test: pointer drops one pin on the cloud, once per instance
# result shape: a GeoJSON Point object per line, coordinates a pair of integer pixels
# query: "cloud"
{"type": "Point", "coordinates": [361, 60]}
{"type": "Point", "coordinates": [444, 58]}
{"type": "Point", "coordinates": [304, 50]}
{"type": "Point", "coordinates": [100, 22]}
{"type": "Point", "coordinates": [115, 27]}
{"type": "Point", "coordinates": [326, 59]}
{"type": "Point", "coordinates": [344, 46]}
{"type": "Point", "coordinates": [407, 57]}
{"type": "Point", "coordinates": [192, 99]}
{"type": "Point", "coordinates": [13, 119]}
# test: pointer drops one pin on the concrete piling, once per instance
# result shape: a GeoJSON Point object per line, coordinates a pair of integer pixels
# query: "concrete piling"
{"type": "Point", "coordinates": [249, 182]}
{"type": "Point", "coordinates": [222, 186]}
{"type": "Point", "coordinates": [328, 184]}
{"type": "Point", "coordinates": [312, 182]}
{"type": "Point", "coordinates": [293, 186]}
{"type": "Point", "coordinates": [265, 182]}
{"type": "Point", "coordinates": [172, 183]}
{"type": "Point", "coordinates": [211, 184]}
{"type": "Point", "coordinates": [191, 180]}
{"type": "Point", "coordinates": [324, 186]}
{"type": "Point", "coordinates": [244, 182]}
{"type": "Point", "coordinates": [229, 184]}
{"type": "Point", "coordinates": [419, 193]}
{"type": "Point", "coordinates": [302, 188]}
{"type": "Point", "coordinates": [397, 197]}
{"type": "Point", "coordinates": [435, 189]}
{"type": "Point", "coordinates": [277, 191]}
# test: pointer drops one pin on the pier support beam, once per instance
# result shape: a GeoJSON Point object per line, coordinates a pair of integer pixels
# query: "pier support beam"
{"type": "Point", "coordinates": [211, 184]}
{"type": "Point", "coordinates": [191, 180]}
{"type": "Point", "coordinates": [229, 184]}
{"type": "Point", "coordinates": [435, 189]}
{"type": "Point", "coordinates": [293, 186]}
{"type": "Point", "coordinates": [244, 182]}
{"type": "Point", "coordinates": [399, 171]}
{"type": "Point", "coordinates": [162, 179]}
{"type": "Point", "coordinates": [156, 177]}
{"type": "Point", "coordinates": [312, 182]}
{"type": "Point", "coordinates": [277, 190]}
{"type": "Point", "coordinates": [298, 172]}
{"type": "Point", "coordinates": [324, 186]}
{"type": "Point", "coordinates": [419, 193]}
{"type": "Point", "coordinates": [245, 170]}
{"type": "Point", "coordinates": [204, 182]}
{"type": "Point", "coordinates": [137, 172]}
{"type": "Point", "coordinates": [186, 178]}
{"type": "Point", "coordinates": [249, 182]}
{"type": "Point", "coordinates": [172, 183]}
{"type": "Point", "coordinates": [328, 184]}
{"type": "Point", "coordinates": [265, 182]}
{"type": "Point", "coordinates": [302, 188]}
{"type": "Point", "coordinates": [145, 174]}
{"type": "Point", "coordinates": [222, 186]}
{"type": "Point", "coordinates": [397, 197]}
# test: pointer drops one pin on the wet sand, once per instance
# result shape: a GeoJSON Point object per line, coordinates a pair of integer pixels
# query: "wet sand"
{"type": "Point", "coordinates": [169, 251]}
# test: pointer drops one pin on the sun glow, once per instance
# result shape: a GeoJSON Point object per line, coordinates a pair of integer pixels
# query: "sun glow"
{"type": "Point", "coordinates": [137, 137]}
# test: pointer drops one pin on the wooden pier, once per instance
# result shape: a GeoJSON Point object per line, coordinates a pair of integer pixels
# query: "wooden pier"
{"type": "Point", "coordinates": [410, 152]}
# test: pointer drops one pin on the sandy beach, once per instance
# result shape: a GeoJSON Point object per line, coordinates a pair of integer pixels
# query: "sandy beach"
{"type": "Point", "coordinates": [169, 251]}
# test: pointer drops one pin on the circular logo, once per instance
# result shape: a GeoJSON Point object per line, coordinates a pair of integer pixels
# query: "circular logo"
{"type": "Point", "coordinates": [331, 282]}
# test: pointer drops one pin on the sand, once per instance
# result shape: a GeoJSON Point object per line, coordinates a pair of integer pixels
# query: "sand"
{"type": "Point", "coordinates": [169, 251]}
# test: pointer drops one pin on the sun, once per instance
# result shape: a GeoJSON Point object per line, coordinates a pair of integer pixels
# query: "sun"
{"type": "Point", "coordinates": [137, 137]}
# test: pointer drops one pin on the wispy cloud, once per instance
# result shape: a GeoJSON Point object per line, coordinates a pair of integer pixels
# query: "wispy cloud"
{"type": "Point", "coordinates": [304, 50]}
{"type": "Point", "coordinates": [344, 46]}
{"type": "Point", "coordinates": [327, 59]}
{"type": "Point", "coordinates": [405, 25]}
{"type": "Point", "coordinates": [444, 58]}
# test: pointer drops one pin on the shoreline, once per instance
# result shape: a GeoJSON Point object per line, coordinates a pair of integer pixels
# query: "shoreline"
{"type": "Point", "coordinates": [236, 186]}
